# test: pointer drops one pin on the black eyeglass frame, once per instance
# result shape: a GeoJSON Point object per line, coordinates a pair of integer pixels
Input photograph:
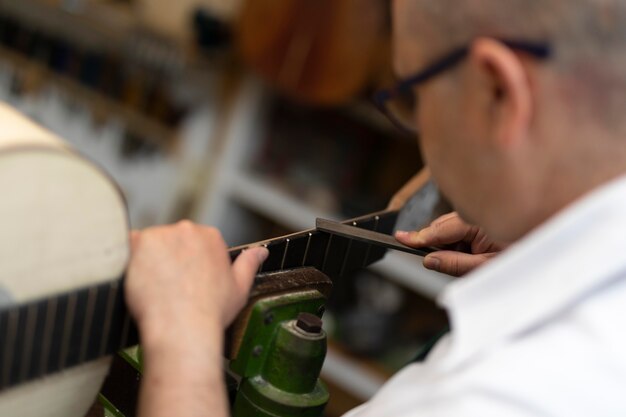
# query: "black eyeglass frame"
{"type": "Point", "coordinates": [538, 50]}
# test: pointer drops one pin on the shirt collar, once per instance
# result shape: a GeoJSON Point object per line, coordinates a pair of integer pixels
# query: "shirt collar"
{"type": "Point", "coordinates": [553, 267]}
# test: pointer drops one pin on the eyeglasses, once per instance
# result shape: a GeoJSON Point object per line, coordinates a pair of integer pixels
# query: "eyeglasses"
{"type": "Point", "coordinates": [400, 102]}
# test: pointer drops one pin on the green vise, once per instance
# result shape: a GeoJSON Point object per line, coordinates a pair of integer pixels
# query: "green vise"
{"type": "Point", "coordinates": [276, 346]}
{"type": "Point", "coordinates": [280, 346]}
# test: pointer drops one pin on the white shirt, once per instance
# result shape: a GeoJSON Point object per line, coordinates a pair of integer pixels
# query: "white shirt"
{"type": "Point", "coordinates": [538, 331]}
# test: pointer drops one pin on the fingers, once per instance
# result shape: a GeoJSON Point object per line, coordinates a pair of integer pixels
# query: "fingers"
{"type": "Point", "coordinates": [455, 263]}
{"type": "Point", "coordinates": [445, 230]}
{"type": "Point", "coordinates": [244, 269]}
{"type": "Point", "coordinates": [246, 265]}
{"type": "Point", "coordinates": [445, 217]}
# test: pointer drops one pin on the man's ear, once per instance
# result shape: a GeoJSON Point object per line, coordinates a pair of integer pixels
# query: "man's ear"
{"type": "Point", "coordinates": [509, 90]}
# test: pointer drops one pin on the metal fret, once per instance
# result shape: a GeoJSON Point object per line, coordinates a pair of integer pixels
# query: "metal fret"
{"type": "Point", "coordinates": [51, 312]}
{"type": "Point", "coordinates": [306, 250]}
{"type": "Point", "coordinates": [31, 317]}
{"type": "Point", "coordinates": [91, 303]}
{"type": "Point", "coordinates": [263, 263]}
{"type": "Point", "coordinates": [369, 246]}
{"type": "Point", "coordinates": [345, 258]}
{"type": "Point", "coordinates": [67, 329]}
{"type": "Point", "coordinates": [10, 346]}
{"type": "Point", "coordinates": [330, 239]}
{"type": "Point", "coordinates": [282, 262]}
{"type": "Point", "coordinates": [106, 328]}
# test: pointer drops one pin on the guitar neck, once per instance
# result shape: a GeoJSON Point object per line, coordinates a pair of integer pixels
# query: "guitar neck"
{"type": "Point", "coordinates": [46, 336]}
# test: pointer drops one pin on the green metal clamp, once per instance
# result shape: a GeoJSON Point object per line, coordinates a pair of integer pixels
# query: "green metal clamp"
{"type": "Point", "coordinates": [281, 357]}
{"type": "Point", "coordinates": [278, 358]}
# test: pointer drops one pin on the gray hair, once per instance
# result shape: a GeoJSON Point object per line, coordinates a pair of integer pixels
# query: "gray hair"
{"type": "Point", "coordinates": [577, 29]}
{"type": "Point", "coordinates": [588, 39]}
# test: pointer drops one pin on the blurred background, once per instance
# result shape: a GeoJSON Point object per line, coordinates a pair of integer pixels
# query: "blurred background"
{"type": "Point", "coordinates": [250, 115]}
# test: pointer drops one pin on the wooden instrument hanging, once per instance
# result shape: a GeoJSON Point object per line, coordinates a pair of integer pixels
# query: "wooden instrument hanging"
{"type": "Point", "coordinates": [63, 252]}
{"type": "Point", "coordinates": [319, 52]}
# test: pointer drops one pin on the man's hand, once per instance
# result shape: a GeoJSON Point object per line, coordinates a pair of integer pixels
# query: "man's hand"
{"type": "Point", "coordinates": [183, 291]}
{"type": "Point", "coordinates": [183, 272]}
{"type": "Point", "coordinates": [466, 246]}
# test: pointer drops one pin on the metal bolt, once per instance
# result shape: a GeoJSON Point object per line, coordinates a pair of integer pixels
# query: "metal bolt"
{"type": "Point", "coordinates": [309, 323]}
{"type": "Point", "coordinates": [269, 318]}
{"type": "Point", "coordinates": [257, 350]}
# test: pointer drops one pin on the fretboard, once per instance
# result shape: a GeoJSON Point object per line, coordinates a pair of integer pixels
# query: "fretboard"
{"type": "Point", "coordinates": [46, 336]}
{"type": "Point", "coordinates": [331, 254]}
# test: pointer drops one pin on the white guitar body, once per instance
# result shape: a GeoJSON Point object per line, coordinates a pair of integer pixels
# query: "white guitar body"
{"type": "Point", "coordinates": [63, 225]}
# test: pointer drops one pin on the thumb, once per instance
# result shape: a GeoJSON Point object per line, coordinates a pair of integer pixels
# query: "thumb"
{"type": "Point", "coordinates": [246, 265]}
{"type": "Point", "coordinates": [455, 263]}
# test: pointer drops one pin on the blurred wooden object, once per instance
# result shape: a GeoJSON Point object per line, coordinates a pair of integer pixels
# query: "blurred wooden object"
{"type": "Point", "coordinates": [320, 52]}
{"type": "Point", "coordinates": [173, 19]}
{"type": "Point", "coordinates": [402, 196]}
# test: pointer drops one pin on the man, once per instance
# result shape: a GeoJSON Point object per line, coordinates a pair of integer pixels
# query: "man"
{"type": "Point", "coordinates": [520, 120]}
